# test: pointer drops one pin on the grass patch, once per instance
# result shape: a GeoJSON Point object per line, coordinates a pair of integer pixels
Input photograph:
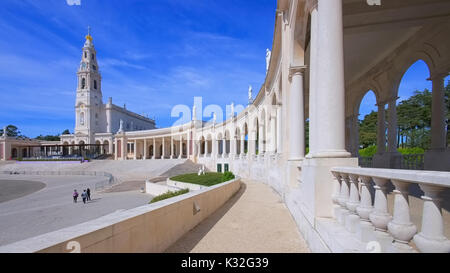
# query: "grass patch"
{"type": "Point", "coordinates": [209, 179]}
{"type": "Point", "coordinates": [168, 195]}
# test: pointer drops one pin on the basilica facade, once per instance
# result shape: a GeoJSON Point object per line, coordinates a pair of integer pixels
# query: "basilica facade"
{"type": "Point", "coordinates": [97, 122]}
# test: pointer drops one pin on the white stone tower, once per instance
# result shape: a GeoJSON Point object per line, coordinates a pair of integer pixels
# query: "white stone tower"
{"type": "Point", "coordinates": [89, 102]}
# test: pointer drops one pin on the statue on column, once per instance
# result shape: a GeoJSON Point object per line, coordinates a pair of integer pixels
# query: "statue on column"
{"type": "Point", "coordinates": [250, 94]}
{"type": "Point", "coordinates": [268, 56]}
{"type": "Point", "coordinates": [214, 119]}
{"type": "Point", "coordinates": [194, 113]}
{"type": "Point", "coordinates": [5, 131]}
{"type": "Point", "coordinates": [232, 110]}
{"type": "Point", "coordinates": [121, 127]}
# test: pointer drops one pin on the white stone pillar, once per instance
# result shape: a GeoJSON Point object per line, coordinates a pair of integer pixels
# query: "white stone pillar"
{"type": "Point", "coordinates": [188, 144]}
{"type": "Point", "coordinates": [279, 130]}
{"type": "Point", "coordinates": [213, 147]}
{"type": "Point", "coordinates": [145, 149]}
{"type": "Point", "coordinates": [242, 144]}
{"type": "Point", "coordinates": [181, 147]}
{"type": "Point", "coordinates": [314, 61]}
{"type": "Point", "coordinates": [163, 149]}
{"type": "Point", "coordinates": [135, 150]}
{"type": "Point", "coordinates": [330, 94]}
{"type": "Point", "coordinates": [381, 128]}
{"type": "Point", "coordinates": [224, 146]}
{"type": "Point", "coordinates": [438, 124]}
{"type": "Point", "coordinates": [154, 149]}
{"type": "Point", "coordinates": [261, 139]}
{"type": "Point", "coordinates": [392, 126]}
{"type": "Point", "coordinates": [296, 115]}
{"type": "Point", "coordinates": [171, 148]}
{"type": "Point", "coordinates": [273, 134]}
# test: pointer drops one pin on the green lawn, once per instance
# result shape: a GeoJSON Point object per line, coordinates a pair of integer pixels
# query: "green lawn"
{"type": "Point", "coordinates": [168, 195]}
{"type": "Point", "coordinates": [209, 179]}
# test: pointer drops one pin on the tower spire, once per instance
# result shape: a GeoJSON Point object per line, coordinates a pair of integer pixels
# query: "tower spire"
{"type": "Point", "coordinates": [88, 36]}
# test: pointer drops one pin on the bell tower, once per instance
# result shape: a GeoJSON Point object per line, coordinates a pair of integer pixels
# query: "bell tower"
{"type": "Point", "coordinates": [89, 102]}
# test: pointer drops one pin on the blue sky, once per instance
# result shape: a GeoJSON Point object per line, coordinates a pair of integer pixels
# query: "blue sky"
{"type": "Point", "coordinates": [153, 55]}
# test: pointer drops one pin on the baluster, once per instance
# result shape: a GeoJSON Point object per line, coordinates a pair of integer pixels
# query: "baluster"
{"type": "Point", "coordinates": [352, 220]}
{"type": "Point", "coordinates": [380, 216]}
{"type": "Point", "coordinates": [431, 238]}
{"type": "Point", "coordinates": [401, 226]}
{"type": "Point", "coordinates": [336, 187]}
{"type": "Point", "coordinates": [353, 200]}
{"type": "Point", "coordinates": [365, 207]}
{"type": "Point", "coordinates": [344, 194]}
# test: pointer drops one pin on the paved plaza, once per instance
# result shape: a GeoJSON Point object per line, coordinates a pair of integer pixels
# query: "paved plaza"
{"type": "Point", "coordinates": [52, 208]}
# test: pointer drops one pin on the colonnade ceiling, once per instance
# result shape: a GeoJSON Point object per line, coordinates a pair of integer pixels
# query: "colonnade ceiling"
{"type": "Point", "coordinates": [372, 33]}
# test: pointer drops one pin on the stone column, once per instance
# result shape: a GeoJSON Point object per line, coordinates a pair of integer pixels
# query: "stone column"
{"type": "Point", "coordinates": [330, 97]}
{"type": "Point", "coordinates": [163, 149]}
{"type": "Point", "coordinates": [279, 130]}
{"type": "Point", "coordinates": [381, 129]}
{"type": "Point", "coordinates": [181, 147]}
{"type": "Point", "coordinates": [213, 147]}
{"type": "Point", "coordinates": [261, 149]}
{"type": "Point", "coordinates": [188, 144]}
{"type": "Point", "coordinates": [314, 61]}
{"type": "Point", "coordinates": [392, 126]}
{"type": "Point", "coordinates": [145, 149]}
{"type": "Point", "coordinates": [171, 148]}
{"type": "Point", "coordinates": [224, 146]}
{"type": "Point", "coordinates": [154, 149]}
{"type": "Point", "coordinates": [135, 150]}
{"type": "Point", "coordinates": [273, 134]}
{"type": "Point", "coordinates": [296, 115]}
{"type": "Point", "coordinates": [242, 144]}
{"type": "Point", "coordinates": [438, 125]}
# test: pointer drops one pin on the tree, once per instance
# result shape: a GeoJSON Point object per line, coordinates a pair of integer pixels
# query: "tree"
{"type": "Point", "coordinates": [368, 130]}
{"type": "Point", "coordinates": [11, 131]}
{"type": "Point", "coordinates": [66, 132]}
{"type": "Point", "coordinates": [48, 138]}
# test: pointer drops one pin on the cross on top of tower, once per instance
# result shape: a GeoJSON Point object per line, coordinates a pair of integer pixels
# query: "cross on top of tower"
{"type": "Point", "coordinates": [88, 36]}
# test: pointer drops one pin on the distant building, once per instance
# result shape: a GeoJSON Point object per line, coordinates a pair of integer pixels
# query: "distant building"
{"type": "Point", "coordinates": [96, 122]}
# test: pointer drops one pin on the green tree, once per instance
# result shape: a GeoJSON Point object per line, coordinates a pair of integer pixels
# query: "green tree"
{"type": "Point", "coordinates": [368, 130]}
{"type": "Point", "coordinates": [66, 132]}
{"type": "Point", "coordinates": [11, 131]}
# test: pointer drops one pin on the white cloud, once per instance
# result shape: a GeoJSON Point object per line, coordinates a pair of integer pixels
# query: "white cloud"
{"type": "Point", "coordinates": [73, 2]}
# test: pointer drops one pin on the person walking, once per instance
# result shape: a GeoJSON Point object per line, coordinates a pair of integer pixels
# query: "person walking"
{"type": "Point", "coordinates": [88, 192]}
{"type": "Point", "coordinates": [75, 196]}
{"type": "Point", "coordinates": [84, 196]}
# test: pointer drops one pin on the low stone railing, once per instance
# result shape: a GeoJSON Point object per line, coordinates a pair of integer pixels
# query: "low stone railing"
{"type": "Point", "coordinates": [109, 182]}
{"type": "Point", "coordinates": [361, 215]}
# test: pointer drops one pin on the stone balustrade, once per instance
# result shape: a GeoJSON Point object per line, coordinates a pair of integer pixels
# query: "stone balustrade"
{"type": "Point", "coordinates": [366, 215]}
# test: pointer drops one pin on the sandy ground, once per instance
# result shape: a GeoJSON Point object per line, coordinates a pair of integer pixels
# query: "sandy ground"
{"type": "Point", "coordinates": [255, 220]}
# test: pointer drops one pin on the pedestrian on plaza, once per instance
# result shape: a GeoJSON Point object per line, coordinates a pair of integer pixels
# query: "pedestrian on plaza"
{"type": "Point", "coordinates": [75, 196]}
{"type": "Point", "coordinates": [84, 196]}
{"type": "Point", "coordinates": [88, 192]}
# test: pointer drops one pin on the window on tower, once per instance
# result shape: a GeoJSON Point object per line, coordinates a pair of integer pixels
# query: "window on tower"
{"type": "Point", "coordinates": [82, 118]}
{"type": "Point", "coordinates": [92, 56]}
{"type": "Point", "coordinates": [95, 84]}
{"type": "Point", "coordinates": [85, 55]}
{"type": "Point", "coordinates": [94, 67]}
{"type": "Point", "coordinates": [83, 83]}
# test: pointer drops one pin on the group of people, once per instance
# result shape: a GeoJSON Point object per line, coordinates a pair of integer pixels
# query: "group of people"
{"type": "Point", "coordinates": [85, 195]}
